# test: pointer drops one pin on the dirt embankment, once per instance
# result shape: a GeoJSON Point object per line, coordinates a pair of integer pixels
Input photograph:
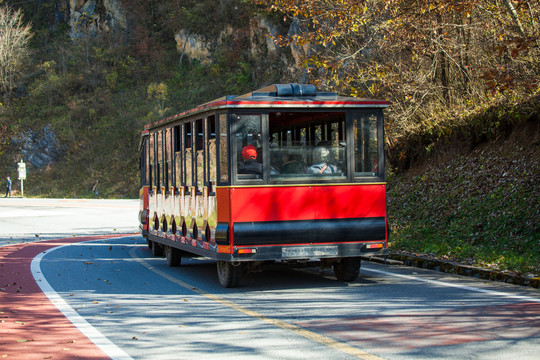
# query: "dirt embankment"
{"type": "Point", "coordinates": [474, 206]}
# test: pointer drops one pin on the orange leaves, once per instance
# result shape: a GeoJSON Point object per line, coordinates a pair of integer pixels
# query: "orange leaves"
{"type": "Point", "coordinates": [424, 56]}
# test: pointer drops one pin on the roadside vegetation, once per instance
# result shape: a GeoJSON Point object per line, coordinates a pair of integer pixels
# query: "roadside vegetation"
{"type": "Point", "coordinates": [478, 207]}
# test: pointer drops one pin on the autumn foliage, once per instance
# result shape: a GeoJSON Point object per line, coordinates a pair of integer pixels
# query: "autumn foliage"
{"type": "Point", "coordinates": [438, 61]}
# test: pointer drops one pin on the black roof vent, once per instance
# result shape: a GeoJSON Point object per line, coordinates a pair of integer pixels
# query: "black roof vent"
{"type": "Point", "coordinates": [288, 90]}
{"type": "Point", "coordinates": [296, 90]}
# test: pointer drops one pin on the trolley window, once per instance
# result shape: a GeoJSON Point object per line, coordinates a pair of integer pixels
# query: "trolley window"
{"type": "Point", "coordinates": [223, 152]}
{"type": "Point", "coordinates": [307, 145]}
{"type": "Point", "coordinates": [168, 159]}
{"type": "Point", "coordinates": [159, 167]}
{"type": "Point", "coordinates": [366, 145]}
{"type": "Point", "coordinates": [179, 171]}
{"type": "Point", "coordinates": [248, 146]}
{"type": "Point", "coordinates": [211, 153]}
{"type": "Point", "coordinates": [199, 155]}
{"type": "Point", "coordinates": [188, 154]}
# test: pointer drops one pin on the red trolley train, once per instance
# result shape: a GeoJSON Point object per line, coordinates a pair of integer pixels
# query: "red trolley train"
{"type": "Point", "coordinates": [284, 174]}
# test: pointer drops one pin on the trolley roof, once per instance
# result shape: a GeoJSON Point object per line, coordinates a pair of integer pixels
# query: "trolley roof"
{"type": "Point", "coordinates": [293, 96]}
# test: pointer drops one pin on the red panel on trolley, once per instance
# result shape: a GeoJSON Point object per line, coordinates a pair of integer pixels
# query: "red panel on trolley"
{"type": "Point", "coordinates": [307, 202]}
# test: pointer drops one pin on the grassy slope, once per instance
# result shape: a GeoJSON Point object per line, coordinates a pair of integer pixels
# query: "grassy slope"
{"type": "Point", "coordinates": [480, 207]}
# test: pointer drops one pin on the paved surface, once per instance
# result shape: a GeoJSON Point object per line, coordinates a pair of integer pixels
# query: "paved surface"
{"type": "Point", "coordinates": [132, 305]}
{"type": "Point", "coordinates": [29, 220]}
{"type": "Point", "coordinates": [31, 325]}
{"type": "Point", "coordinates": [150, 310]}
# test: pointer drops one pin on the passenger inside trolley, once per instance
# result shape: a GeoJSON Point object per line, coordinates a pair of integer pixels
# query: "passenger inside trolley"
{"type": "Point", "coordinates": [250, 165]}
{"type": "Point", "coordinates": [320, 165]}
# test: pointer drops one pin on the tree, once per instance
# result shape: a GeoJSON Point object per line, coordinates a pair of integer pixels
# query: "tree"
{"type": "Point", "coordinates": [433, 59]}
{"type": "Point", "coordinates": [14, 41]}
{"type": "Point", "coordinates": [159, 93]}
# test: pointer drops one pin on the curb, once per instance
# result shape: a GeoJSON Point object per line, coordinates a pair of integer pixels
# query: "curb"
{"type": "Point", "coordinates": [452, 267]}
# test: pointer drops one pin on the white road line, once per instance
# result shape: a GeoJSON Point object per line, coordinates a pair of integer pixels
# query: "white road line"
{"type": "Point", "coordinates": [107, 346]}
{"type": "Point", "coordinates": [459, 286]}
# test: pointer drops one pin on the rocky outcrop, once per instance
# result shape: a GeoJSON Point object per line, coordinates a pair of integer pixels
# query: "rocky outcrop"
{"type": "Point", "coordinates": [193, 46]}
{"type": "Point", "coordinates": [261, 47]}
{"type": "Point", "coordinates": [89, 17]}
{"type": "Point", "coordinates": [39, 149]}
{"type": "Point", "coordinates": [92, 16]}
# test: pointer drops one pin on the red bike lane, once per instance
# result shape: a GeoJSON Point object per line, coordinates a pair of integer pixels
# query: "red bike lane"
{"type": "Point", "coordinates": [31, 327]}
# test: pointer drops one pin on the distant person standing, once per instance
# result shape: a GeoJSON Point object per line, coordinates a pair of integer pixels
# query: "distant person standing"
{"type": "Point", "coordinates": [8, 187]}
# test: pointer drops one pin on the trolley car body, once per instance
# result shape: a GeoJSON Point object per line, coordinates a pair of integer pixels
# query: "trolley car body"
{"type": "Point", "coordinates": [314, 189]}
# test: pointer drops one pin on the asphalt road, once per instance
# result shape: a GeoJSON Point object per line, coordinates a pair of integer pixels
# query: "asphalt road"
{"type": "Point", "coordinates": [134, 306]}
{"type": "Point", "coordinates": [24, 220]}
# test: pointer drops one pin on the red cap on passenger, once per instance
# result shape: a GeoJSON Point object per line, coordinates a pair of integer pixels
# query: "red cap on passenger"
{"type": "Point", "coordinates": [249, 152]}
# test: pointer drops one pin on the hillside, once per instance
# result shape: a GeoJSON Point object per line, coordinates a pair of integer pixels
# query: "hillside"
{"type": "Point", "coordinates": [477, 206]}
{"type": "Point", "coordinates": [100, 71]}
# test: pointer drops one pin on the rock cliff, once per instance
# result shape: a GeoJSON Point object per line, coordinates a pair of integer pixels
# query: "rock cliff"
{"type": "Point", "coordinates": [90, 17]}
{"type": "Point", "coordinates": [95, 16]}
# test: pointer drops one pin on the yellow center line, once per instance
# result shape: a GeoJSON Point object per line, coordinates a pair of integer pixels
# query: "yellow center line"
{"type": "Point", "coordinates": [324, 340]}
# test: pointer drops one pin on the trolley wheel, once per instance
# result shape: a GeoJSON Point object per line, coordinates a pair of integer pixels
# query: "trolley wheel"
{"type": "Point", "coordinates": [173, 256]}
{"type": "Point", "coordinates": [347, 269]}
{"type": "Point", "coordinates": [157, 249]}
{"type": "Point", "coordinates": [149, 242]}
{"type": "Point", "coordinates": [228, 274]}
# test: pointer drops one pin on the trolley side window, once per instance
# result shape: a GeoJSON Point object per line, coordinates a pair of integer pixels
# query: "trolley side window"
{"type": "Point", "coordinates": [143, 165]}
{"type": "Point", "coordinates": [168, 158]}
{"type": "Point", "coordinates": [159, 152]}
{"type": "Point", "coordinates": [178, 171]}
{"type": "Point", "coordinates": [188, 153]}
{"type": "Point", "coordinates": [151, 153]}
{"type": "Point", "coordinates": [366, 145]}
{"type": "Point", "coordinates": [248, 146]}
{"type": "Point", "coordinates": [223, 153]}
{"type": "Point", "coordinates": [199, 155]}
{"type": "Point", "coordinates": [212, 153]}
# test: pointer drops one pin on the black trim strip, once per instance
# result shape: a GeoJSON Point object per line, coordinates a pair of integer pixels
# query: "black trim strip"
{"type": "Point", "coordinates": [222, 234]}
{"type": "Point", "coordinates": [309, 231]}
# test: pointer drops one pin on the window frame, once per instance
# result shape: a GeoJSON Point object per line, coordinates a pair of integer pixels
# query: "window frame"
{"type": "Point", "coordinates": [380, 174]}
{"type": "Point", "coordinates": [233, 149]}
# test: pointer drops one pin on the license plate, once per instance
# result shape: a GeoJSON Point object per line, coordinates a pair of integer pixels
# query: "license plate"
{"type": "Point", "coordinates": [309, 251]}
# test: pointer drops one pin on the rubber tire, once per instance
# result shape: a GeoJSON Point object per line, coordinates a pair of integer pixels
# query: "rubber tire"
{"type": "Point", "coordinates": [229, 276]}
{"type": "Point", "coordinates": [347, 269]}
{"type": "Point", "coordinates": [157, 249]}
{"type": "Point", "coordinates": [173, 256]}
